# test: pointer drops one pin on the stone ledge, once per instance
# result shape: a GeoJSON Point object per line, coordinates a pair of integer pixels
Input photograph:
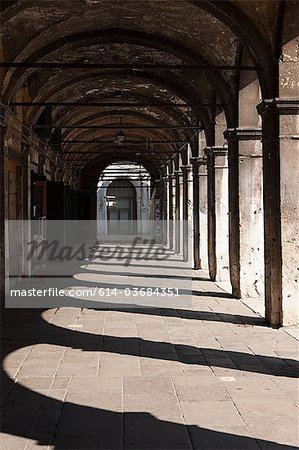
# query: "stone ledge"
{"type": "Point", "coordinates": [240, 134]}
{"type": "Point", "coordinates": [216, 151]}
{"type": "Point", "coordinates": [198, 160]}
{"type": "Point", "coordinates": [278, 105]}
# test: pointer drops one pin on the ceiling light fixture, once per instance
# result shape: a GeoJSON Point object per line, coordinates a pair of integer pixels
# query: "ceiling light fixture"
{"type": "Point", "coordinates": [120, 137]}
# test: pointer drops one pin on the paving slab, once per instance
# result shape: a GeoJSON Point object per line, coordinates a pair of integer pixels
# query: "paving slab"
{"type": "Point", "coordinates": [210, 376]}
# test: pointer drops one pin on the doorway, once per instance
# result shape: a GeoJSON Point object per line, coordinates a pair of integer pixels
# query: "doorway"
{"type": "Point", "coordinates": [121, 207]}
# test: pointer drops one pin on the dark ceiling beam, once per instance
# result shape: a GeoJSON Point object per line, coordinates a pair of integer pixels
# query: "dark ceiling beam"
{"type": "Point", "coordinates": [123, 127]}
{"type": "Point", "coordinates": [123, 36]}
{"type": "Point", "coordinates": [128, 117]}
{"type": "Point", "coordinates": [112, 146]}
{"type": "Point", "coordinates": [119, 153]}
{"type": "Point", "coordinates": [141, 152]}
{"type": "Point", "coordinates": [122, 171]}
{"type": "Point", "coordinates": [84, 163]}
{"type": "Point", "coordinates": [77, 65]}
{"type": "Point", "coordinates": [116, 104]}
{"type": "Point", "coordinates": [127, 141]}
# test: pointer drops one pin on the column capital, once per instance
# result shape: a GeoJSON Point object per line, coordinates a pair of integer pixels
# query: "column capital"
{"type": "Point", "coordinates": [178, 173]}
{"type": "Point", "coordinates": [243, 134]}
{"type": "Point", "coordinates": [285, 106]}
{"type": "Point", "coordinates": [215, 151]}
{"type": "Point", "coordinates": [186, 168]}
{"type": "Point", "coordinates": [25, 152]}
{"type": "Point", "coordinates": [169, 177]}
{"type": "Point", "coordinates": [199, 161]}
{"type": "Point", "coordinates": [40, 164]}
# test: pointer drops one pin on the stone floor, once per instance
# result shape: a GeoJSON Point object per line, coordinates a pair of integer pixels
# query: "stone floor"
{"type": "Point", "coordinates": [208, 377]}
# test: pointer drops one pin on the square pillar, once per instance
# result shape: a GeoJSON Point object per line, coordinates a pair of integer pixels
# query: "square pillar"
{"type": "Point", "coordinates": [177, 213]}
{"type": "Point", "coordinates": [195, 191]}
{"type": "Point", "coordinates": [246, 252]}
{"type": "Point", "coordinates": [164, 204]}
{"type": "Point", "coordinates": [170, 210]}
{"type": "Point", "coordinates": [185, 210]}
{"type": "Point", "coordinates": [199, 178]}
{"type": "Point", "coordinates": [212, 260]}
{"type": "Point", "coordinates": [203, 214]}
{"type": "Point", "coordinates": [281, 209]}
{"type": "Point", "coordinates": [221, 200]}
{"type": "Point", "coordinates": [218, 213]}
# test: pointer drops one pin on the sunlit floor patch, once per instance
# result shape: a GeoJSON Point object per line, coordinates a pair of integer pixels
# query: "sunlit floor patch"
{"type": "Point", "coordinates": [203, 375]}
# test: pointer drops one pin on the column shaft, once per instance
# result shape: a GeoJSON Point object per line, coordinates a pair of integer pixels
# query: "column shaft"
{"type": "Point", "coordinates": [196, 232]}
{"type": "Point", "coordinates": [211, 215]}
{"type": "Point", "coordinates": [164, 208]}
{"type": "Point", "coordinates": [281, 208]}
{"type": "Point", "coordinates": [272, 223]}
{"type": "Point", "coordinates": [203, 215]}
{"type": "Point", "coordinates": [25, 183]}
{"type": "Point", "coordinates": [245, 212]}
{"type": "Point", "coordinates": [234, 222]}
{"type": "Point", "coordinates": [170, 210]}
{"type": "Point", "coordinates": [185, 213]}
{"type": "Point", "coordinates": [221, 206]}
{"type": "Point", "coordinates": [177, 212]}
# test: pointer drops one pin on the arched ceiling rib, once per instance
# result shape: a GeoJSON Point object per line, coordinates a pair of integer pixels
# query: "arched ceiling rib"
{"type": "Point", "coordinates": [174, 32]}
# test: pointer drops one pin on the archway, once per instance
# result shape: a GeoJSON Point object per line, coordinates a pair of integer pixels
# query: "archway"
{"type": "Point", "coordinates": [121, 207]}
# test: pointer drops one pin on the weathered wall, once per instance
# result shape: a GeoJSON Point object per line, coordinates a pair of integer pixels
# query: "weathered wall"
{"type": "Point", "coordinates": [289, 182]}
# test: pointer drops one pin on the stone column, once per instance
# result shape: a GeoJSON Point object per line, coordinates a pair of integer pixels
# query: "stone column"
{"type": "Point", "coordinates": [234, 212]}
{"type": "Point", "coordinates": [196, 232]}
{"type": "Point", "coordinates": [218, 213]}
{"type": "Point", "coordinates": [211, 213]}
{"type": "Point", "coordinates": [203, 213]}
{"type": "Point", "coordinates": [170, 209]}
{"type": "Point", "coordinates": [280, 182]}
{"type": "Point", "coordinates": [245, 212]}
{"type": "Point", "coordinates": [185, 170]}
{"type": "Point", "coordinates": [190, 215]}
{"type": "Point", "coordinates": [137, 226]}
{"type": "Point", "coordinates": [25, 182]}
{"type": "Point", "coordinates": [41, 162]}
{"type": "Point", "coordinates": [25, 202]}
{"type": "Point", "coordinates": [157, 210]}
{"type": "Point", "coordinates": [272, 224]}
{"type": "Point", "coordinates": [288, 107]}
{"type": "Point", "coordinates": [181, 212]}
{"type": "Point", "coordinates": [221, 200]}
{"type": "Point", "coordinates": [289, 204]}
{"type": "Point", "coordinates": [164, 205]}
{"type": "Point", "coordinates": [161, 194]}
{"type": "Point", "coordinates": [177, 213]}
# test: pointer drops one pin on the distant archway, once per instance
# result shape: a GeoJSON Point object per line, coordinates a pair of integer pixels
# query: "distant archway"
{"type": "Point", "coordinates": [121, 207]}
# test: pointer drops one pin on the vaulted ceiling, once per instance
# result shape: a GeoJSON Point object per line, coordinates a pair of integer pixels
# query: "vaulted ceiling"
{"type": "Point", "coordinates": [179, 60]}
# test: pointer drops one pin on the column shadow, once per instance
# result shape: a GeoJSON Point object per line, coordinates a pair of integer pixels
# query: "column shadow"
{"type": "Point", "coordinates": [66, 425]}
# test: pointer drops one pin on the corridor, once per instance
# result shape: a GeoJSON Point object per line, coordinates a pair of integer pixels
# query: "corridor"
{"type": "Point", "coordinates": [212, 376]}
{"type": "Point", "coordinates": [149, 224]}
